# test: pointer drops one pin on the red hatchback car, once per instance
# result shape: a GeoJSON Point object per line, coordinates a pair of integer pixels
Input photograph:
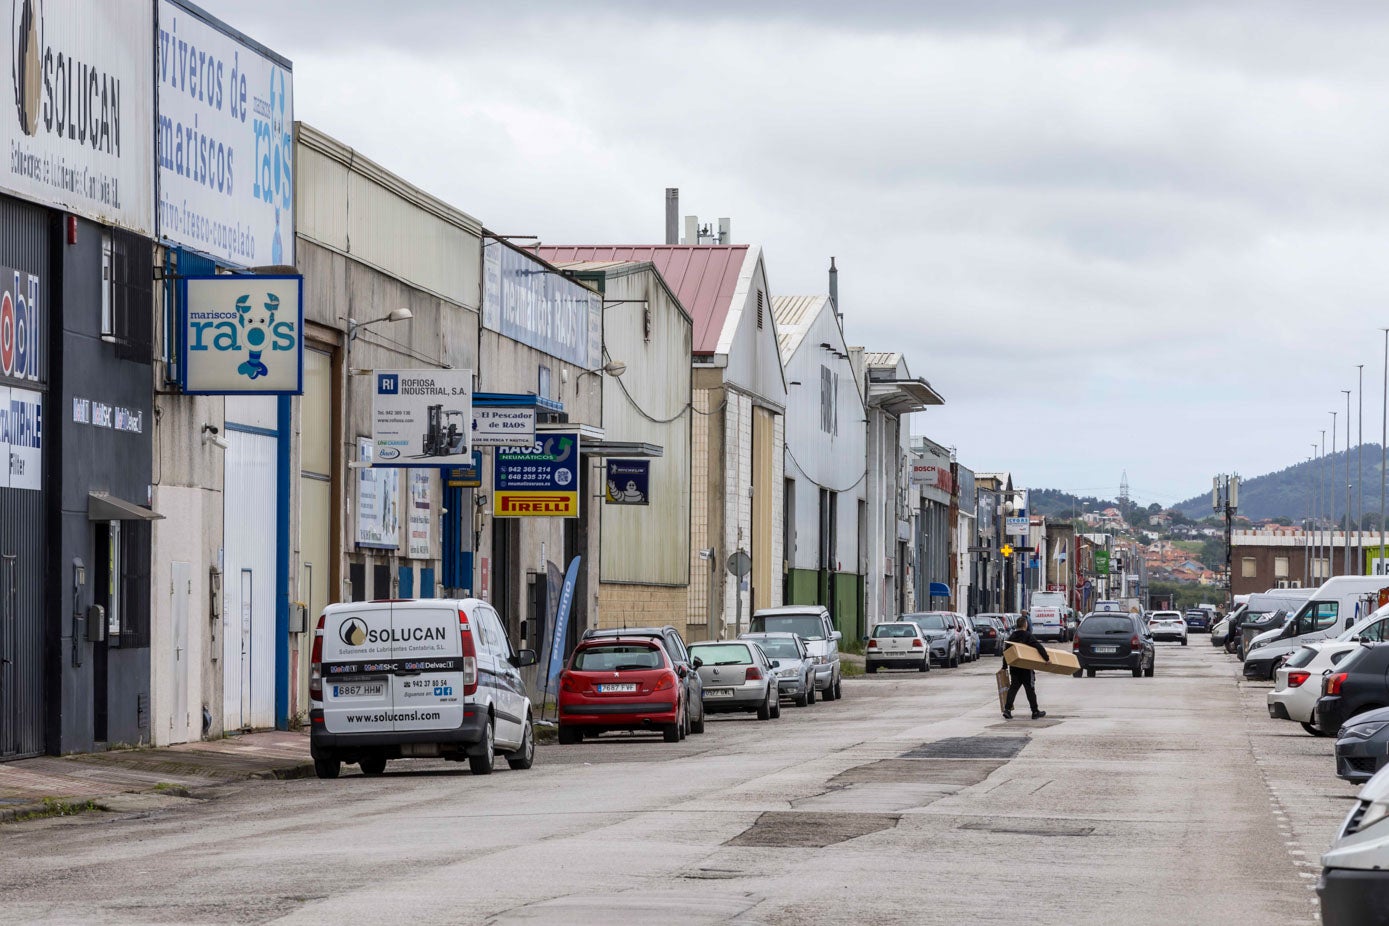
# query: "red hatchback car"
{"type": "Point", "coordinates": [620, 684]}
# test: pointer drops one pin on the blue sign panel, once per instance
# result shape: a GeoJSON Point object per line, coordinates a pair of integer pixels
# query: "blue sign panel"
{"type": "Point", "coordinates": [540, 479]}
{"type": "Point", "coordinates": [628, 482]}
{"type": "Point", "coordinates": [241, 335]}
{"type": "Point", "coordinates": [940, 590]}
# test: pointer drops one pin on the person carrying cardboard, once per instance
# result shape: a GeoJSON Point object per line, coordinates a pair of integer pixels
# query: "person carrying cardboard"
{"type": "Point", "coordinates": [1022, 678]}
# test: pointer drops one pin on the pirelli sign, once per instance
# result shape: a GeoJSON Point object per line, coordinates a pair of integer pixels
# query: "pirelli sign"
{"type": "Point", "coordinates": [539, 479]}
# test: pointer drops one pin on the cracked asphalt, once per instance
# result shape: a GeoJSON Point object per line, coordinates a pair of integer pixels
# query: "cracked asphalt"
{"type": "Point", "coordinates": [1144, 801]}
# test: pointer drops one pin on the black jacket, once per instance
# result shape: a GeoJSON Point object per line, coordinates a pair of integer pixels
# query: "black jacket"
{"type": "Point", "coordinates": [1025, 638]}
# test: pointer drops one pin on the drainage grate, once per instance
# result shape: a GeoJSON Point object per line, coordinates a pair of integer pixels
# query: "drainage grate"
{"type": "Point", "coordinates": [797, 830]}
{"type": "Point", "coordinates": [970, 747]}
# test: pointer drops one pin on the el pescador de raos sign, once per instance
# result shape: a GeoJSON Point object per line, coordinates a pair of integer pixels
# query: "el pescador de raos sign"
{"type": "Point", "coordinates": [242, 335]}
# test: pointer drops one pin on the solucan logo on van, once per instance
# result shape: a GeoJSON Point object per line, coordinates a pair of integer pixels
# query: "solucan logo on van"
{"type": "Point", "coordinates": [353, 631]}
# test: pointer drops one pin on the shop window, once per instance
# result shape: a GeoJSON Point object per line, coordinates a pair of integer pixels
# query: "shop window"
{"type": "Point", "coordinates": [1248, 568]}
{"type": "Point", "coordinates": [134, 558]}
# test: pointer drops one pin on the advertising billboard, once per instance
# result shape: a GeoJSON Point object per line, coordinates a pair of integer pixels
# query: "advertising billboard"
{"type": "Point", "coordinates": [242, 335]}
{"type": "Point", "coordinates": [78, 127]}
{"type": "Point", "coordinates": [378, 502]}
{"type": "Point", "coordinates": [226, 142]}
{"type": "Point", "coordinates": [628, 482]}
{"type": "Point", "coordinates": [526, 301]}
{"type": "Point", "coordinates": [540, 480]}
{"type": "Point", "coordinates": [422, 417]}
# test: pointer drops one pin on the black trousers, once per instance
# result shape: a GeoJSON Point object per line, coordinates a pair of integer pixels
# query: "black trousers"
{"type": "Point", "coordinates": [1021, 678]}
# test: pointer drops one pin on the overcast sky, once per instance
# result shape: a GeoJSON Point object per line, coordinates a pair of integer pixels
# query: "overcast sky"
{"type": "Point", "coordinates": [1116, 236]}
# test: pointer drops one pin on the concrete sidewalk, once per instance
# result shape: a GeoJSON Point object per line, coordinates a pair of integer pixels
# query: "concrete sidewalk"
{"type": "Point", "coordinates": [48, 784]}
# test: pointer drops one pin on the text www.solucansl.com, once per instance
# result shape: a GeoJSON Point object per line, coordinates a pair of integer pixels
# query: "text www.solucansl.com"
{"type": "Point", "coordinates": [393, 718]}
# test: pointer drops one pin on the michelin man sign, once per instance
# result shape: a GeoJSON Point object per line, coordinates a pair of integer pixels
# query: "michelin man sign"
{"type": "Point", "coordinates": [242, 334]}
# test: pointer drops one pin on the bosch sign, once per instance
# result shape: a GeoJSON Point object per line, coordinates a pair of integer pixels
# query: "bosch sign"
{"type": "Point", "coordinates": [21, 327]}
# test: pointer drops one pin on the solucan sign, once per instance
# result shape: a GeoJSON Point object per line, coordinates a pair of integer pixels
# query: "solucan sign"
{"type": "Point", "coordinates": [242, 334]}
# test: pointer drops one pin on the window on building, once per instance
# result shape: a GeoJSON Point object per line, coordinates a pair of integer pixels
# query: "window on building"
{"type": "Point", "coordinates": [826, 400]}
{"type": "Point", "coordinates": [1320, 569]}
{"type": "Point", "coordinates": [1280, 567]}
{"type": "Point", "coordinates": [107, 281]}
{"type": "Point", "coordinates": [1248, 568]}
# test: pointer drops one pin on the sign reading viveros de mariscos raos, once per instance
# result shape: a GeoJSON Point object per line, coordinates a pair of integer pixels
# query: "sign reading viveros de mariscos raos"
{"type": "Point", "coordinates": [422, 417]}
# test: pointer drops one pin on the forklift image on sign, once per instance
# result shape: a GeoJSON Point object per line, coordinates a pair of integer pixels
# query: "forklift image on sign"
{"type": "Point", "coordinates": [445, 434]}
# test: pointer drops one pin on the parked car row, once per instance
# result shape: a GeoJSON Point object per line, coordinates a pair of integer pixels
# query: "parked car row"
{"type": "Point", "coordinates": [648, 679]}
{"type": "Point", "coordinates": [950, 637]}
{"type": "Point", "coordinates": [1329, 657]}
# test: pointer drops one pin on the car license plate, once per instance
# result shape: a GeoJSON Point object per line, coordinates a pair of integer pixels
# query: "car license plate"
{"type": "Point", "coordinates": [617, 687]}
{"type": "Point", "coordinates": [360, 690]}
{"type": "Point", "coordinates": [1106, 649]}
{"type": "Point", "coordinates": [718, 692]}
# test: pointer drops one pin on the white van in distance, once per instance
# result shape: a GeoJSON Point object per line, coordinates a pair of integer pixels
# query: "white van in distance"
{"type": "Point", "coordinates": [406, 678]}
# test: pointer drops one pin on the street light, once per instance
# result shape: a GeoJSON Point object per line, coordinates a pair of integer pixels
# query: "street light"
{"type": "Point", "coordinates": [395, 315]}
{"type": "Point", "coordinates": [1345, 560]}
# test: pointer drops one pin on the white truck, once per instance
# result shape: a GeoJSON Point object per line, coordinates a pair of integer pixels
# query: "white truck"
{"type": "Point", "coordinates": [1047, 611]}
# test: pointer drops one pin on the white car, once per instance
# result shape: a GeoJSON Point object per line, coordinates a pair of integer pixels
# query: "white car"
{"type": "Point", "coordinates": [897, 645]}
{"type": "Point", "coordinates": [1297, 684]}
{"type": "Point", "coordinates": [1167, 625]}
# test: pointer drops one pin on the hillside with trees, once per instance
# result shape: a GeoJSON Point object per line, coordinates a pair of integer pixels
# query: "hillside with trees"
{"type": "Point", "coordinates": [1285, 493]}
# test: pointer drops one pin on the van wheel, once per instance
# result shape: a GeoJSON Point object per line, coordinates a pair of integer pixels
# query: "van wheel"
{"type": "Point", "coordinates": [327, 768]}
{"type": "Point", "coordinates": [373, 766]}
{"type": "Point", "coordinates": [568, 735]}
{"type": "Point", "coordinates": [482, 761]}
{"type": "Point", "coordinates": [524, 758]}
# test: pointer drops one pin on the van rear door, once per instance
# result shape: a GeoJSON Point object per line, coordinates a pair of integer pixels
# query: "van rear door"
{"type": "Point", "coordinates": [358, 696]}
{"type": "Point", "coordinates": [426, 666]}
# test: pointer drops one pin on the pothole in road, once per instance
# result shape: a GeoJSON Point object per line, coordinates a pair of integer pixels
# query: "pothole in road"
{"type": "Point", "coordinates": [957, 772]}
{"type": "Point", "coordinates": [1030, 828]}
{"type": "Point", "coordinates": [969, 747]}
{"type": "Point", "coordinates": [801, 830]}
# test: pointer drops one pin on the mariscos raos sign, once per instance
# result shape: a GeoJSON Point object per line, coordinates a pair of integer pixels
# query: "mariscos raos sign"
{"type": "Point", "coordinates": [77, 132]}
{"type": "Point", "coordinates": [242, 334]}
{"type": "Point", "coordinates": [226, 142]}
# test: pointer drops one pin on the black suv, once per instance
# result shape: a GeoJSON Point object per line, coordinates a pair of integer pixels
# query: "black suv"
{"type": "Point", "coordinates": [1114, 640]}
{"type": "Point", "coordinates": [1355, 686]}
{"type": "Point", "coordinates": [685, 666]}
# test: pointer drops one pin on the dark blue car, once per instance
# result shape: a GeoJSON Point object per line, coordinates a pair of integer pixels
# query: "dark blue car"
{"type": "Point", "coordinates": [1198, 619]}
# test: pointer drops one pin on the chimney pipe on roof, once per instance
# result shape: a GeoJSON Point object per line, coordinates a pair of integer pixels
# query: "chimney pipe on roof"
{"type": "Point", "coordinates": [672, 215]}
{"type": "Point", "coordinates": [725, 231]}
{"type": "Point", "coordinates": [691, 229]}
{"type": "Point", "coordinates": [834, 293]}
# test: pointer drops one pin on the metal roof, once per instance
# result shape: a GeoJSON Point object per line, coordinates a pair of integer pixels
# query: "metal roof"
{"type": "Point", "coordinates": [881, 358]}
{"type": "Point", "coordinates": [703, 277]}
{"type": "Point", "coordinates": [793, 316]}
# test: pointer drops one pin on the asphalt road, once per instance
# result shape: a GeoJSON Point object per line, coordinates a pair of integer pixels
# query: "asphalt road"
{"type": "Point", "coordinates": [1143, 801]}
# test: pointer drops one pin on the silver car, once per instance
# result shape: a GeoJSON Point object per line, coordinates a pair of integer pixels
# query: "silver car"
{"type": "Point", "coordinates": [738, 676]}
{"type": "Point", "coordinates": [795, 676]}
{"type": "Point", "coordinates": [942, 635]}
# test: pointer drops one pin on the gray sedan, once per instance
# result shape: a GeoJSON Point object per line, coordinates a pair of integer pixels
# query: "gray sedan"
{"type": "Point", "coordinates": [795, 676]}
{"type": "Point", "coordinates": [1362, 745]}
{"type": "Point", "coordinates": [947, 647]}
{"type": "Point", "coordinates": [738, 676]}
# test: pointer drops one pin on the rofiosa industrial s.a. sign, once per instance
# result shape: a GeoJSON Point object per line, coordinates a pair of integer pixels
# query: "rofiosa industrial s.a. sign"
{"type": "Point", "coordinates": [242, 334]}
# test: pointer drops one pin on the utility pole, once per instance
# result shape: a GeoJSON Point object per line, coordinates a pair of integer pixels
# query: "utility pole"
{"type": "Point", "coordinates": [1225, 497]}
{"type": "Point", "coordinates": [1331, 494]}
{"type": "Point", "coordinates": [1360, 462]}
{"type": "Point", "coordinates": [1311, 517]}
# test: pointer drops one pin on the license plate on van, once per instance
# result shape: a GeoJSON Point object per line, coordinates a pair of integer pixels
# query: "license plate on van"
{"type": "Point", "coordinates": [360, 690]}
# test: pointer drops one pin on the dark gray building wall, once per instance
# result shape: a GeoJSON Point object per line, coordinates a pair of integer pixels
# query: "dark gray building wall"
{"type": "Point", "coordinates": [27, 652]}
{"type": "Point", "coordinates": [108, 452]}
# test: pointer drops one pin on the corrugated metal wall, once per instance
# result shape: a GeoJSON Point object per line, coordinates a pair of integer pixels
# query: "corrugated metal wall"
{"type": "Point", "coordinates": [24, 245]}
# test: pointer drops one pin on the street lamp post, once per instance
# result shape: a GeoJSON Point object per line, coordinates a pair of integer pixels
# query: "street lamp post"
{"type": "Point", "coordinates": [1345, 561]}
{"type": "Point", "coordinates": [1360, 460]}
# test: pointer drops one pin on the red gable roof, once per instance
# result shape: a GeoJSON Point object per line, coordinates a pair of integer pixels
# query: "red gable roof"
{"type": "Point", "coordinates": [703, 277]}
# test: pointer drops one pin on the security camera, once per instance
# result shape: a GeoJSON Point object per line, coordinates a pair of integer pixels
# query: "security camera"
{"type": "Point", "coordinates": [219, 442]}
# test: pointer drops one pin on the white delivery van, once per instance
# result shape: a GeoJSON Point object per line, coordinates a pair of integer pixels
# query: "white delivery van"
{"type": "Point", "coordinates": [414, 678]}
{"type": "Point", "coordinates": [1047, 612]}
{"type": "Point", "coordinates": [1335, 606]}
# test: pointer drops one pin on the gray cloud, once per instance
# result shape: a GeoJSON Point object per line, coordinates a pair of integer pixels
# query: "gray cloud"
{"type": "Point", "coordinates": [1115, 235]}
